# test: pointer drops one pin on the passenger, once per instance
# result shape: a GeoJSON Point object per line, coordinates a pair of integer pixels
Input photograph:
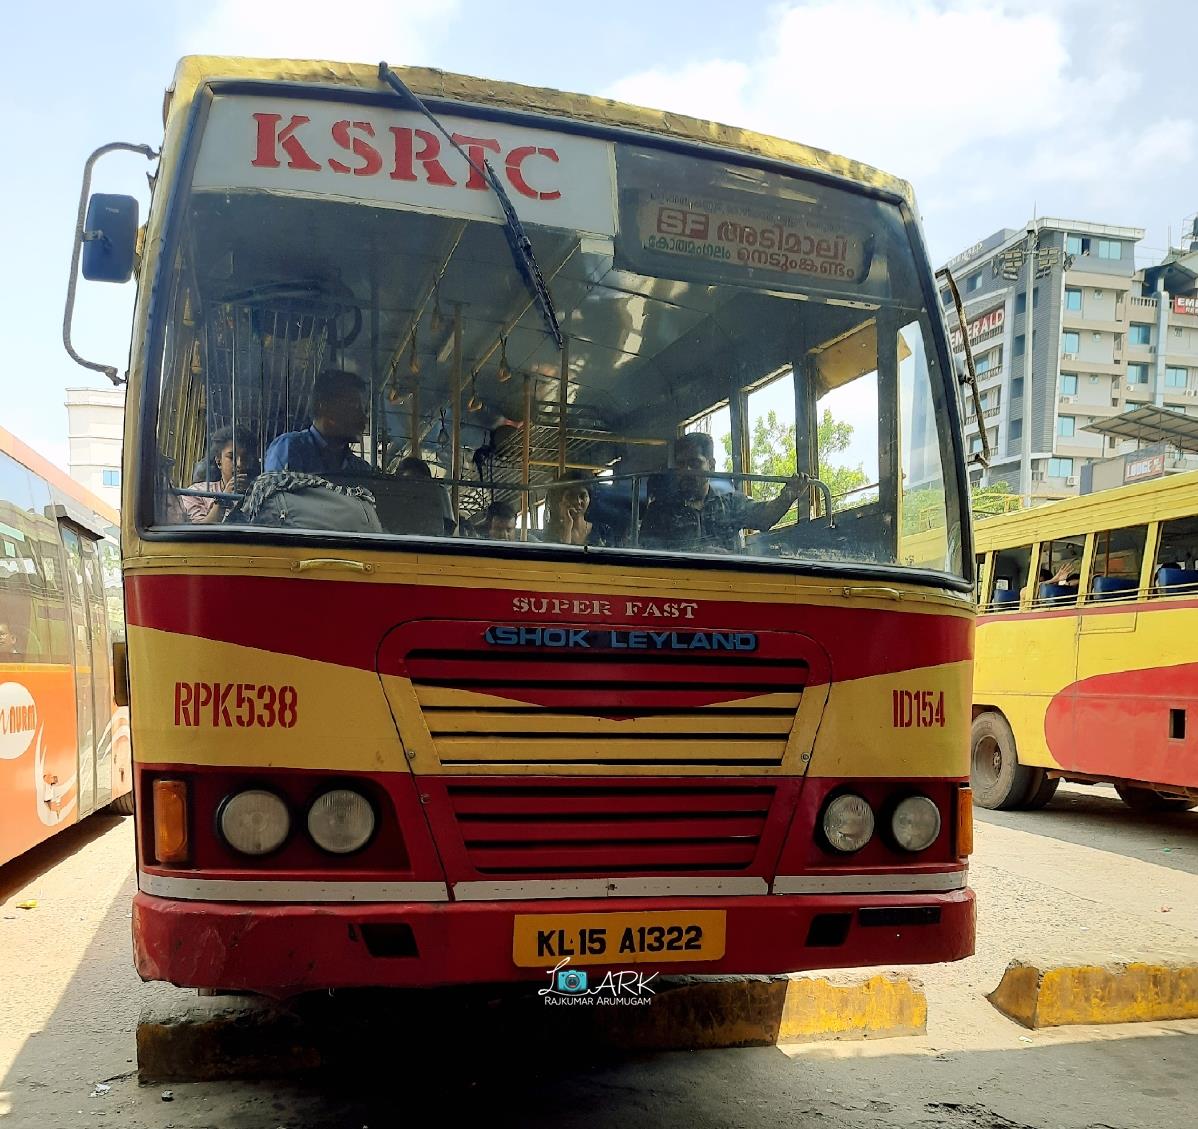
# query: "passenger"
{"type": "Point", "coordinates": [689, 515]}
{"type": "Point", "coordinates": [500, 522]}
{"type": "Point", "coordinates": [1068, 575]}
{"type": "Point", "coordinates": [10, 646]}
{"type": "Point", "coordinates": [338, 419]}
{"type": "Point", "coordinates": [566, 505]}
{"type": "Point", "coordinates": [418, 470]}
{"type": "Point", "coordinates": [231, 456]}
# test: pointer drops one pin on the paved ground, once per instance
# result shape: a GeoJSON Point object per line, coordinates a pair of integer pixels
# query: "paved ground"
{"type": "Point", "coordinates": [1085, 876]}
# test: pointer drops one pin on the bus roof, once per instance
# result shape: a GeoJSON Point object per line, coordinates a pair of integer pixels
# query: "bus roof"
{"type": "Point", "coordinates": [62, 482]}
{"type": "Point", "coordinates": [1175, 495]}
{"type": "Point", "coordinates": [194, 70]}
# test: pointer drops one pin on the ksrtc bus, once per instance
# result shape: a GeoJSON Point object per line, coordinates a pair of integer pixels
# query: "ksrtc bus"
{"type": "Point", "coordinates": [449, 661]}
{"type": "Point", "coordinates": [1087, 651]}
{"type": "Point", "coordinates": [64, 744]}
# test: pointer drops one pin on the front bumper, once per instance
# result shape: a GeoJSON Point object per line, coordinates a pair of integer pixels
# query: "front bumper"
{"type": "Point", "coordinates": [283, 950]}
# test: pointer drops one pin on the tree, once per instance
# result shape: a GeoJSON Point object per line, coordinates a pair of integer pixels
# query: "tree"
{"type": "Point", "coordinates": [772, 452]}
{"type": "Point", "coordinates": [923, 507]}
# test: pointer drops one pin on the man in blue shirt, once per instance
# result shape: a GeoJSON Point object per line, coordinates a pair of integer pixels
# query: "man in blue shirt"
{"type": "Point", "coordinates": [338, 419]}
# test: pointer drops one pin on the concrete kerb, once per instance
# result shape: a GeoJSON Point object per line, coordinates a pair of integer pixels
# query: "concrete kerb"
{"type": "Point", "coordinates": [1103, 989]}
{"type": "Point", "coordinates": [193, 1038]}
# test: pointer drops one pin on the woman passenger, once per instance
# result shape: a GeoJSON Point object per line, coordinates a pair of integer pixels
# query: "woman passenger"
{"type": "Point", "coordinates": [231, 455]}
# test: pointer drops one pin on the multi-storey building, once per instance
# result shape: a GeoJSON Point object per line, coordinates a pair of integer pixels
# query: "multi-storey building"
{"type": "Point", "coordinates": [94, 427]}
{"type": "Point", "coordinates": [1105, 338]}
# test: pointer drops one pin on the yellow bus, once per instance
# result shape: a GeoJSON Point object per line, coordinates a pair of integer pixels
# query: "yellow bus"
{"type": "Point", "coordinates": [1087, 657]}
{"type": "Point", "coordinates": [456, 652]}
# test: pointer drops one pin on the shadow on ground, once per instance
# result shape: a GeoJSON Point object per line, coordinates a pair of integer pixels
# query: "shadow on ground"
{"type": "Point", "coordinates": [1096, 817]}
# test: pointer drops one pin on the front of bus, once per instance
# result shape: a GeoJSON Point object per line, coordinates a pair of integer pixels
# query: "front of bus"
{"type": "Point", "coordinates": [451, 659]}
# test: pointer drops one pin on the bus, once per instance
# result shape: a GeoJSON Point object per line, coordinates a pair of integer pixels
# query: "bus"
{"type": "Point", "coordinates": [64, 743]}
{"type": "Point", "coordinates": [475, 635]}
{"type": "Point", "coordinates": [1086, 663]}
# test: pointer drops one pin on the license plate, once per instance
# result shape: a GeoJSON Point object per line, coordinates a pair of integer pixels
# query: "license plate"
{"type": "Point", "coordinates": [542, 940]}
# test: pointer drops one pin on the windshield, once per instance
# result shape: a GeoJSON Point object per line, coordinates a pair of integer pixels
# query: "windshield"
{"type": "Point", "coordinates": [346, 347]}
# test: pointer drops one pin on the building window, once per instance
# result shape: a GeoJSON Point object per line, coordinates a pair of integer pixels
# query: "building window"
{"type": "Point", "coordinates": [1076, 245]}
{"type": "Point", "coordinates": [1140, 334]}
{"type": "Point", "coordinates": [1017, 387]}
{"type": "Point", "coordinates": [1015, 429]}
{"type": "Point", "coordinates": [1137, 374]}
{"type": "Point", "coordinates": [1066, 426]}
{"type": "Point", "coordinates": [975, 444]}
{"type": "Point", "coordinates": [1070, 342]}
{"type": "Point", "coordinates": [1110, 249]}
{"type": "Point", "coordinates": [1068, 384]}
{"type": "Point", "coordinates": [112, 477]}
{"type": "Point", "coordinates": [1073, 298]}
{"type": "Point", "coordinates": [973, 283]}
{"type": "Point", "coordinates": [1021, 300]}
{"type": "Point", "coordinates": [946, 297]}
{"type": "Point", "coordinates": [1060, 468]}
{"type": "Point", "coordinates": [982, 364]}
{"type": "Point", "coordinates": [1176, 377]}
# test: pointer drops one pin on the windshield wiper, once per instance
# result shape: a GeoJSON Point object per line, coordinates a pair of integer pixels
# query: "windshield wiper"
{"type": "Point", "coordinates": [517, 239]}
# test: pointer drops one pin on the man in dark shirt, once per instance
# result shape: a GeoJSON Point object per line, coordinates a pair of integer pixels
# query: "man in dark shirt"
{"type": "Point", "coordinates": [338, 419]}
{"type": "Point", "coordinates": [689, 516]}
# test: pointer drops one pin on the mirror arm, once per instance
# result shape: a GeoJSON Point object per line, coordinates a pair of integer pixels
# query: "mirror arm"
{"type": "Point", "coordinates": [81, 237]}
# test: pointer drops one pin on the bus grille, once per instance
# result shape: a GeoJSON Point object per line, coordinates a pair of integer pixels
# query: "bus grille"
{"type": "Point", "coordinates": [660, 711]}
{"type": "Point", "coordinates": [610, 828]}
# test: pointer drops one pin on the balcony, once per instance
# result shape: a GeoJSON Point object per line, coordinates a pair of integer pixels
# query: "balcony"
{"type": "Point", "coordinates": [1144, 304]}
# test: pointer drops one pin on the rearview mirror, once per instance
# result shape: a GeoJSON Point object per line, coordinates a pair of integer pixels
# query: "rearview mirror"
{"type": "Point", "coordinates": [109, 238]}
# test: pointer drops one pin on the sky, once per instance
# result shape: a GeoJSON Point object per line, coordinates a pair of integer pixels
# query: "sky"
{"type": "Point", "coordinates": [1079, 109]}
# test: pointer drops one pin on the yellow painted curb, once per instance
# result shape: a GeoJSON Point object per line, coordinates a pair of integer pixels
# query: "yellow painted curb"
{"type": "Point", "coordinates": [189, 1038]}
{"type": "Point", "coordinates": [746, 1011]}
{"type": "Point", "coordinates": [882, 1007]}
{"type": "Point", "coordinates": [1044, 994]}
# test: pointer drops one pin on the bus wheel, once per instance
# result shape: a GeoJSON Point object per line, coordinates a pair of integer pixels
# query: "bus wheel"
{"type": "Point", "coordinates": [1044, 787]}
{"type": "Point", "coordinates": [122, 805]}
{"type": "Point", "coordinates": [1148, 800]}
{"type": "Point", "coordinates": [999, 781]}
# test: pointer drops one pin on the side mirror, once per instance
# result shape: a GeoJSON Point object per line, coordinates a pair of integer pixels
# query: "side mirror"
{"type": "Point", "coordinates": [109, 238]}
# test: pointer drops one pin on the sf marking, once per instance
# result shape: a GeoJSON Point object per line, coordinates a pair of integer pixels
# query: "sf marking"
{"type": "Point", "coordinates": [918, 709]}
{"type": "Point", "coordinates": [241, 705]}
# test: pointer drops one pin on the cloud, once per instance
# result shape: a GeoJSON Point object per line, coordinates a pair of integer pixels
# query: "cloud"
{"type": "Point", "coordinates": [403, 31]}
{"type": "Point", "coordinates": [997, 104]}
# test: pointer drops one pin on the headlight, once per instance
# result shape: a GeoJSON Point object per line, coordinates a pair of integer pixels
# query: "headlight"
{"type": "Point", "coordinates": [916, 823]}
{"type": "Point", "coordinates": [341, 821]}
{"type": "Point", "coordinates": [254, 822]}
{"type": "Point", "coordinates": [848, 823]}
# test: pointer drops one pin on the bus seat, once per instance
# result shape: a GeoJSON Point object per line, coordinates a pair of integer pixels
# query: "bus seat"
{"type": "Point", "coordinates": [1057, 593]}
{"type": "Point", "coordinates": [1110, 587]}
{"type": "Point", "coordinates": [1009, 596]}
{"type": "Point", "coordinates": [1176, 577]}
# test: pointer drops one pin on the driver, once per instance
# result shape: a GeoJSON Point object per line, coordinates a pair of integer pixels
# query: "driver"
{"type": "Point", "coordinates": [338, 419]}
{"type": "Point", "coordinates": [689, 515]}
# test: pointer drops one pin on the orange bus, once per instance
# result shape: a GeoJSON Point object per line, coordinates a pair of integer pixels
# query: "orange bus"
{"type": "Point", "coordinates": [1085, 657]}
{"type": "Point", "coordinates": [477, 633]}
{"type": "Point", "coordinates": [64, 745]}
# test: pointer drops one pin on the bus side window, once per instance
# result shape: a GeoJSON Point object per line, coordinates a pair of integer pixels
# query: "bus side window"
{"type": "Point", "coordinates": [1176, 565]}
{"type": "Point", "coordinates": [1059, 570]}
{"type": "Point", "coordinates": [1010, 571]}
{"type": "Point", "coordinates": [1118, 556]}
{"type": "Point", "coordinates": [979, 576]}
